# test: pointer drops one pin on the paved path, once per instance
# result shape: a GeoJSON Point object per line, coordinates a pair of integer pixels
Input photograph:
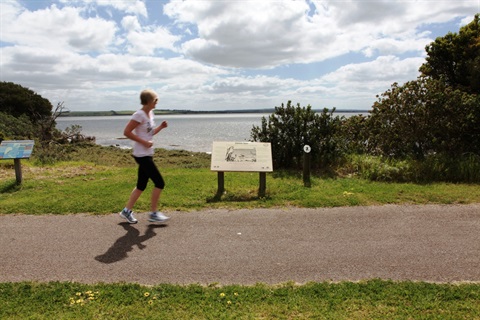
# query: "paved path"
{"type": "Point", "coordinates": [428, 243]}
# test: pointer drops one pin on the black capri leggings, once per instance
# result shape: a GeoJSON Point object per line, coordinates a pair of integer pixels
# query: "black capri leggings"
{"type": "Point", "coordinates": [148, 170]}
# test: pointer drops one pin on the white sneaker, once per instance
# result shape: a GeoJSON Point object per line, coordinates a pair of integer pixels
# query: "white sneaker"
{"type": "Point", "coordinates": [158, 217]}
{"type": "Point", "coordinates": [128, 214]}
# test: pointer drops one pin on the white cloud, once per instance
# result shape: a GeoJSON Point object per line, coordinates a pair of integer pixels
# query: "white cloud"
{"type": "Point", "coordinates": [265, 34]}
{"type": "Point", "coordinates": [98, 54]}
{"type": "Point", "coordinates": [57, 29]}
{"type": "Point", "coordinates": [385, 70]}
{"type": "Point", "coordinates": [136, 7]}
{"type": "Point", "coordinates": [242, 33]}
{"type": "Point", "coordinates": [146, 40]}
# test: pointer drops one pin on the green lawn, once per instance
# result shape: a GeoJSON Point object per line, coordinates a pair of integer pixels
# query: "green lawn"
{"type": "Point", "coordinates": [374, 299]}
{"type": "Point", "coordinates": [89, 188]}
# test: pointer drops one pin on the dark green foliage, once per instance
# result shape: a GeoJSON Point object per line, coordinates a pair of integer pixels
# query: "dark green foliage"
{"type": "Point", "coordinates": [424, 117]}
{"type": "Point", "coordinates": [16, 128]}
{"type": "Point", "coordinates": [353, 134]}
{"type": "Point", "coordinates": [290, 128]}
{"type": "Point", "coordinates": [455, 58]}
{"type": "Point", "coordinates": [26, 115]}
{"type": "Point", "coordinates": [436, 115]}
{"type": "Point", "coordinates": [17, 100]}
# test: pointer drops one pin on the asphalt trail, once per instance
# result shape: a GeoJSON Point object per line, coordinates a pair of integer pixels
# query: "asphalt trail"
{"type": "Point", "coordinates": [434, 243]}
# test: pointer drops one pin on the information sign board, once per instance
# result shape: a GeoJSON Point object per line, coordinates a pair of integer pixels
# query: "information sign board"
{"type": "Point", "coordinates": [241, 156]}
{"type": "Point", "coordinates": [16, 149]}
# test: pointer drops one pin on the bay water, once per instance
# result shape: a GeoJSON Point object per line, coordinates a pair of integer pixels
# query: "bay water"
{"type": "Point", "coordinates": [191, 132]}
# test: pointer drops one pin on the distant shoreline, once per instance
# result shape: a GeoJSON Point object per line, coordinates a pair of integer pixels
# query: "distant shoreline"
{"type": "Point", "coordinates": [173, 112]}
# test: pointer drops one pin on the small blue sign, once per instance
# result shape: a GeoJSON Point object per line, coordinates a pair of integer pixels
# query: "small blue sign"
{"type": "Point", "coordinates": [16, 149]}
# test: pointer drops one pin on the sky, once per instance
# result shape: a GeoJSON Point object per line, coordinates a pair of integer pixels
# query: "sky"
{"type": "Point", "coordinates": [96, 55]}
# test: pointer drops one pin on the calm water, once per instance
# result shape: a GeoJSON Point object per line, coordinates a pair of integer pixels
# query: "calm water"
{"type": "Point", "coordinates": [184, 132]}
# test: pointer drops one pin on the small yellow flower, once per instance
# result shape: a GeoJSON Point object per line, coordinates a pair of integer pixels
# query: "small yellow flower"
{"type": "Point", "coordinates": [88, 292]}
{"type": "Point", "coordinates": [78, 294]}
{"type": "Point", "coordinates": [146, 294]}
{"type": "Point", "coordinates": [222, 294]}
{"type": "Point", "coordinates": [79, 301]}
{"type": "Point", "coordinates": [150, 301]}
{"type": "Point", "coordinates": [229, 302]}
{"type": "Point", "coordinates": [235, 294]}
{"type": "Point", "coordinates": [91, 298]}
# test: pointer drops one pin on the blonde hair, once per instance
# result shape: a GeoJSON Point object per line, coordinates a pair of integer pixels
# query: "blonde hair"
{"type": "Point", "coordinates": [147, 96]}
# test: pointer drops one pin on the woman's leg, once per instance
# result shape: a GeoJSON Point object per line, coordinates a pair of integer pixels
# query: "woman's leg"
{"type": "Point", "coordinates": [136, 193]}
{"type": "Point", "coordinates": [142, 180]}
{"type": "Point", "coordinates": [157, 179]}
{"type": "Point", "coordinates": [156, 192]}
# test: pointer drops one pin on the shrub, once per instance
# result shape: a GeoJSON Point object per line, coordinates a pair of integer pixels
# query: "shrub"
{"type": "Point", "coordinates": [434, 168]}
{"type": "Point", "coordinates": [16, 128]}
{"type": "Point", "coordinates": [421, 118]}
{"type": "Point", "coordinates": [290, 128]}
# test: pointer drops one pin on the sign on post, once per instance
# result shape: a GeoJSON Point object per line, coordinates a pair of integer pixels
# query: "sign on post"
{"type": "Point", "coordinates": [241, 157]}
{"type": "Point", "coordinates": [16, 150]}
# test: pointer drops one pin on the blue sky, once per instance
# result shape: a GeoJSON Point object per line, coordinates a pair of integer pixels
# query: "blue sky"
{"type": "Point", "coordinates": [220, 55]}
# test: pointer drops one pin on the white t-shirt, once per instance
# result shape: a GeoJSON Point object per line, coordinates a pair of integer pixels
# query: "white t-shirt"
{"type": "Point", "coordinates": [145, 131]}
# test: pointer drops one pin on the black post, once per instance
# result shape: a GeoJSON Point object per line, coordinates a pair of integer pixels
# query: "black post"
{"type": "Point", "coordinates": [263, 185]}
{"type": "Point", "coordinates": [306, 170]}
{"type": "Point", "coordinates": [221, 183]}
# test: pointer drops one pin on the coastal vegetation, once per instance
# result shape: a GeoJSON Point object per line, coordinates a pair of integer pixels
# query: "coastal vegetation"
{"type": "Point", "coordinates": [427, 129]}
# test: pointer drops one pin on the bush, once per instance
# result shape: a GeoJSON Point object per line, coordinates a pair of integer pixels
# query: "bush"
{"type": "Point", "coordinates": [50, 153]}
{"type": "Point", "coordinates": [290, 128]}
{"type": "Point", "coordinates": [377, 168]}
{"type": "Point", "coordinates": [16, 100]}
{"type": "Point", "coordinates": [422, 118]}
{"type": "Point", "coordinates": [352, 135]}
{"type": "Point", "coordinates": [16, 128]}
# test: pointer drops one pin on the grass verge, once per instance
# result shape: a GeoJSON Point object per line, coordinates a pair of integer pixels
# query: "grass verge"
{"type": "Point", "coordinates": [374, 299]}
{"type": "Point", "coordinates": [82, 187]}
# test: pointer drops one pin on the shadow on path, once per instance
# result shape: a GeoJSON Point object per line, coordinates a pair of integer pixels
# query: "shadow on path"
{"type": "Point", "coordinates": [119, 250]}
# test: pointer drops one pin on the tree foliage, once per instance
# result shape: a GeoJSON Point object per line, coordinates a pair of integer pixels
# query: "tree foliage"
{"type": "Point", "coordinates": [455, 58]}
{"type": "Point", "coordinates": [291, 127]}
{"type": "Point", "coordinates": [16, 100]}
{"type": "Point", "coordinates": [26, 115]}
{"type": "Point", "coordinates": [438, 113]}
{"type": "Point", "coordinates": [423, 117]}
{"type": "Point", "coordinates": [16, 128]}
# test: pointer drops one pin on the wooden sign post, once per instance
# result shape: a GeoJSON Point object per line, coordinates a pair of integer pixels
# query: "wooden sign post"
{"type": "Point", "coordinates": [242, 157]}
{"type": "Point", "coordinates": [16, 150]}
